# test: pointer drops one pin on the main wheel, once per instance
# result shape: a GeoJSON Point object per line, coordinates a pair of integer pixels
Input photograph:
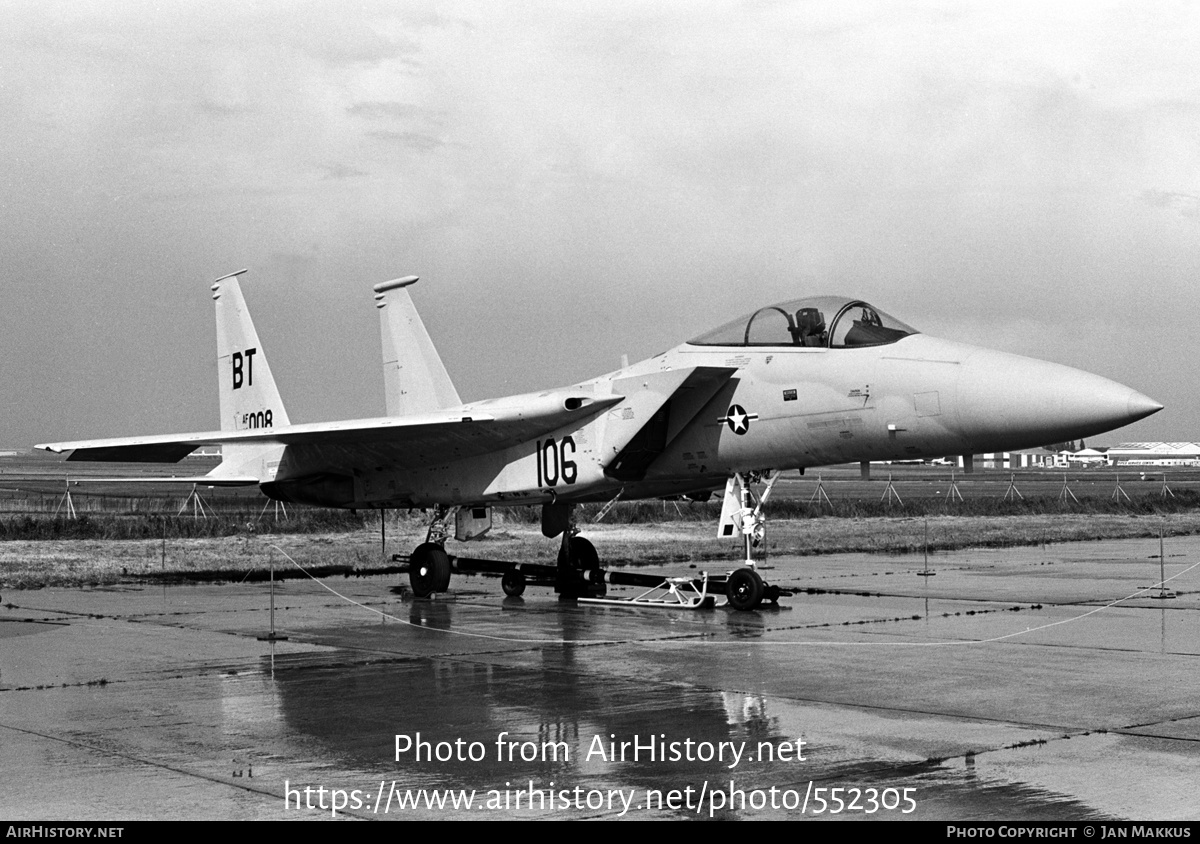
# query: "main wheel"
{"type": "Point", "coordinates": [745, 589]}
{"type": "Point", "coordinates": [429, 569]}
{"type": "Point", "coordinates": [583, 554]}
{"type": "Point", "coordinates": [513, 583]}
{"type": "Point", "coordinates": [581, 558]}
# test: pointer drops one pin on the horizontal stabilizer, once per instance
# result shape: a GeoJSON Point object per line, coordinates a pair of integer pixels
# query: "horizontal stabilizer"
{"type": "Point", "coordinates": [170, 451]}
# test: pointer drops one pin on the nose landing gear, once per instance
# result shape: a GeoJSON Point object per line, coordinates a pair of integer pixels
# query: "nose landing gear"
{"type": "Point", "coordinates": [742, 512]}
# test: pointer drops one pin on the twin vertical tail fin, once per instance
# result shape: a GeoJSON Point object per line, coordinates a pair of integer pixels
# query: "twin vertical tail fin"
{"type": "Point", "coordinates": [415, 379]}
{"type": "Point", "coordinates": [248, 395]}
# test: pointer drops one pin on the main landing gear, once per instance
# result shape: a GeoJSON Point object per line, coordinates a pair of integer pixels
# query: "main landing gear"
{"type": "Point", "coordinates": [429, 569]}
{"type": "Point", "coordinates": [429, 565]}
{"type": "Point", "coordinates": [577, 573]}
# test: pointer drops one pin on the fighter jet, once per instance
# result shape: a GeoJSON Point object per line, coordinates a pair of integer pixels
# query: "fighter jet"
{"type": "Point", "coordinates": [806, 383]}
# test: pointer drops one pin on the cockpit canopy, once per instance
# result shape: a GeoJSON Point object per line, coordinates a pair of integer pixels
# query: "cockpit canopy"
{"type": "Point", "coordinates": [832, 322]}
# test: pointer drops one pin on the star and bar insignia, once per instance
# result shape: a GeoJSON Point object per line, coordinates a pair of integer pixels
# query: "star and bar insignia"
{"type": "Point", "coordinates": [738, 419]}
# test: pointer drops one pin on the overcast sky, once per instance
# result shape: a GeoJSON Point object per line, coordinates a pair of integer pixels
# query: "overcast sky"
{"type": "Point", "coordinates": [578, 181]}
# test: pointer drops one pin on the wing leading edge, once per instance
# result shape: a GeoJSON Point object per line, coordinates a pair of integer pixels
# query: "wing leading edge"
{"type": "Point", "coordinates": [411, 441]}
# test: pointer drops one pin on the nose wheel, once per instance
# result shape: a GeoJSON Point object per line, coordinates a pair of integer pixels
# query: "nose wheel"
{"type": "Point", "coordinates": [745, 589]}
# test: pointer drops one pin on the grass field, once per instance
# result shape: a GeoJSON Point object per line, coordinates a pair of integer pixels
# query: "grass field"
{"type": "Point", "coordinates": [28, 563]}
{"type": "Point", "coordinates": [128, 532]}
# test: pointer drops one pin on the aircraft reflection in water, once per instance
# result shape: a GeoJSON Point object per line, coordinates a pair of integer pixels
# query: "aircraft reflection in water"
{"type": "Point", "coordinates": [578, 715]}
{"type": "Point", "coordinates": [811, 382]}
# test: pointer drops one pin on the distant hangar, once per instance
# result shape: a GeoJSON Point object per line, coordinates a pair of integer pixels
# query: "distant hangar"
{"type": "Point", "coordinates": [1154, 454]}
{"type": "Point", "coordinates": [1125, 454]}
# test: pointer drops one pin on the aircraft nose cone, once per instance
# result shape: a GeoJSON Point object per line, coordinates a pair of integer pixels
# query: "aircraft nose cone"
{"type": "Point", "coordinates": [1140, 406]}
{"type": "Point", "coordinates": [1008, 401]}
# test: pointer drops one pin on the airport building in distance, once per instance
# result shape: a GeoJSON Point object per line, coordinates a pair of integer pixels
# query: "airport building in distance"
{"type": "Point", "coordinates": [1154, 454]}
{"type": "Point", "coordinates": [1125, 454]}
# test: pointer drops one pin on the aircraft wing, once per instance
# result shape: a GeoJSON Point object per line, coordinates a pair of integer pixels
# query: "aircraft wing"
{"type": "Point", "coordinates": [407, 441]}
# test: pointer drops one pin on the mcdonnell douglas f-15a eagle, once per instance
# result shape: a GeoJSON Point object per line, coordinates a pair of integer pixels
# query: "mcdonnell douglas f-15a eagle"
{"type": "Point", "coordinates": [810, 382]}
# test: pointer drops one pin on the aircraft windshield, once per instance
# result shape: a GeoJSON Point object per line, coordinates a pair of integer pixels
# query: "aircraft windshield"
{"type": "Point", "coordinates": [819, 322]}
